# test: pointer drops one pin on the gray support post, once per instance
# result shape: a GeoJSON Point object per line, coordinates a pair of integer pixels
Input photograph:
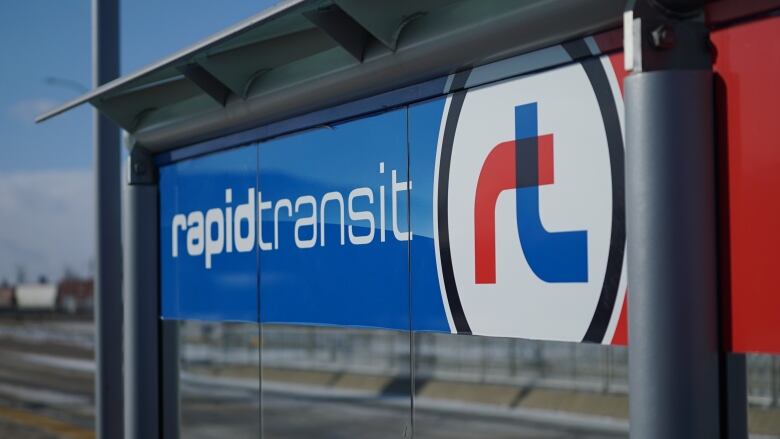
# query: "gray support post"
{"type": "Point", "coordinates": [108, 229]}
{"type": "Point", "coordinates": [169, 377]}
{"type": "Point", "coordinates": [674, 384]}
{"type": "Point", "coordinates": [142, 365]}
{"type": "Point", "coordinates": [735, 415]}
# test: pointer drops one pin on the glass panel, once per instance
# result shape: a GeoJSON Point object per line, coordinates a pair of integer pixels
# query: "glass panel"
{"type": "Point", "coordinates": [334, 281]}
{"type": "Point", "coordinates": [208, 257]}
{"type": "Point", "coordinates": [763, 382]}
{"type": "Point", "coordinates": [468, 386]}
{"type": "Point", "coordinates": [208, 261]}
{"type": "Point", "coordinates": [335, 382]}
{"type": "Point", "coordinates": [219, 380]}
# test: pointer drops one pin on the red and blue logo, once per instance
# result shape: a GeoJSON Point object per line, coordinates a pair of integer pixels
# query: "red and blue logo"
{"type": "Point", "coordinates": [525, 164]}
{"type": "Point", "coordinates": [530, 216]}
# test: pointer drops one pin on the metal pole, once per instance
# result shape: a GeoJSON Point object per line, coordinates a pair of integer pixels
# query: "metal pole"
{"type": "Point", "coordinates": [108, 251]}
{"type": "Point", "coordinates": [735, 414]}
{"type": "Point", "coordinates": [671, 218]}
{"type": "Point", "coordinates": [169, 378]}
{"type": "Point", "coordinates": [142, 332]}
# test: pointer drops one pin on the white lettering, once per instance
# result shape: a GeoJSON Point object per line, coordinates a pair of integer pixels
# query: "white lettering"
{"type": "Point", "coordinates": [281, 204]}
{"type": "Point", "coordinates": [179, 223]}
{"type": "Point", "coordinates": [261, 206]}
{"type": "Point", "coordinates": [382, 205]}
{"type": "Point", "coordinates": [229, 221]}
{"type": "Point", "coordinates": [331, 196]}
{"type": "Point", "coordinates": [365, 215]}
{"type": "Point", "coordinates": [195, 233]}
{"type": "Point", "coordinates": [221, 229]}
{"type": "Point", "coordinates": [306, 221]}
{"type": "Point", "coordinates": [245, 213]}
{"type": "Point", "coordinates": [214, 245]}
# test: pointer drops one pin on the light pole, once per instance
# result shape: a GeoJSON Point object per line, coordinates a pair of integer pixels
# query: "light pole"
{"type": "Point", "coordinates": [108, 251]}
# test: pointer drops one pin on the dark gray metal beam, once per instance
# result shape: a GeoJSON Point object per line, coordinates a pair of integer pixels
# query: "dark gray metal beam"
{"type": "Point", "coordinates": [342, 28]}
{"type": "Point", "coordinates": [674, 345]}
{"type": "Point", "coordinates": [141, 294]}
{"type": "Point", "coordinates": [108, 230]}
{"type": "Point", "coordinates": [206, 82]}
{"type": "Point", "coordinates": [734, 410]}
{"type": "Point", "coordinates": [169, 379]}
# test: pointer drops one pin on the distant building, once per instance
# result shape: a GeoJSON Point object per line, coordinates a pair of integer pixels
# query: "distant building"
{"type": "Point", "coordinates": [75, 295]}
{"type": "Point", "coordinates": [7, 299]}
{"type": "Point", "coordinates": [37, 297]}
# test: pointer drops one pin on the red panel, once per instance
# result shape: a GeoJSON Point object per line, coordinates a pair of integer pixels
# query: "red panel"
{"type": "Point", "coordinates": [724, 11]}
{"type": "Point", "coordinates": [616, 59]}
{"type": "Point", "coordinates": [621, 330]}
{"type": "Point", "coordinates": [748, 108]}
{"type": "Point", "coordinates": [748, 113]}
{"type": "Point", "coordinates": [610, 41]}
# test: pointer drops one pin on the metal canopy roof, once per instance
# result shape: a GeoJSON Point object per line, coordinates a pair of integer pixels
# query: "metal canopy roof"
{"type": "Point", "coordinates": [304, 55]}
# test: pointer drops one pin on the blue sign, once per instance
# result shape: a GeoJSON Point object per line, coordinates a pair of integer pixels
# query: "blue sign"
{"type": "Point", "coordinates": [490, 211]}
{"type": "Point", "coordinates": [313, 227]}
{"type": "Point", "coordinates": [428, 310]}
{"type": "Point", "coordinates": [334, 232]}
{"type": "Point", "coordinates": [208, 263]}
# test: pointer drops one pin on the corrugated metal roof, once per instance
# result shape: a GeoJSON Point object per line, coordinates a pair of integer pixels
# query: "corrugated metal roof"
{"type": "Point", "coordinates": [303, 55]}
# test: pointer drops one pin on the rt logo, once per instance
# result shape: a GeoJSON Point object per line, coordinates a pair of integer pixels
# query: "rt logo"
{"type": "Point", "coordinates": [529, 206]}
{"type": "Point", "coordinates": [524, 164]}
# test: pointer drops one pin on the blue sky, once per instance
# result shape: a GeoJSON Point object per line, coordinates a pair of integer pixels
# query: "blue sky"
{"type": "Point", "coordinates": [41, 39]}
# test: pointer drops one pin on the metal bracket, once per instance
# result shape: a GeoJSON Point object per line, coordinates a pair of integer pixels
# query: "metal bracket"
{"type": "Point", "coordinates": [141, 169]}
{"type": "Point", "coordinates": [342, 28]}
{"type": "Point", "coordinates": [206, 82]}
{"type": "Point", "coordinates": [665, 35]}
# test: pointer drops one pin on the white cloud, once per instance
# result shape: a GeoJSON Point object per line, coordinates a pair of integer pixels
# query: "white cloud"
{"type": "Point", "coordinates": [25, 111]}
{"type": "Point", "coordinates": [46, 222]}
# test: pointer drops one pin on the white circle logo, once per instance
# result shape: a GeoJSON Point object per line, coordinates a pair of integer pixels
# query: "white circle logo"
{"type": "Point", "coordinates": [530, 206]}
